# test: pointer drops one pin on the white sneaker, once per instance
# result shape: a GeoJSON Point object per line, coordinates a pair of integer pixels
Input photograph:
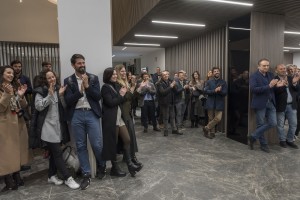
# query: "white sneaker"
{"type": "Point", "coordinates": [71, 183]}
{"type": "Point", "coordinates": [55, 180]}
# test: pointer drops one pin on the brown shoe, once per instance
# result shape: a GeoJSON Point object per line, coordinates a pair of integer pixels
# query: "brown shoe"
{"type": "Point", "coordinates": [206, 132]}
{"type": "Point", "coordinates": [212, 135]}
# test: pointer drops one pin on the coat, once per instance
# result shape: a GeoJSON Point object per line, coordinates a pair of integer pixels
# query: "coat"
{"type": "Point", "coordinates": [260, 90]}
{"type": "Point", "coordinates": [111, 99]}
{"type": "Point", "coordinates": [39, 119]}
{"type": "Point", "coordinates": [14, 150]}
{"type": "Point", "coordinates": [165, 93]}
{"type": "Point", "coordinates": [215, 100]}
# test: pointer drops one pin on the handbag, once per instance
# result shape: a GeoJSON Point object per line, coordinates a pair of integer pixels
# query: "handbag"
{"type": "Point", "coordinates": [70, 158]}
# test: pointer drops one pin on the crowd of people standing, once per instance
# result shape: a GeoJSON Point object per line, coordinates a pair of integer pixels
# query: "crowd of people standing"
{"type": "Point", "coordinates": [74, 108]}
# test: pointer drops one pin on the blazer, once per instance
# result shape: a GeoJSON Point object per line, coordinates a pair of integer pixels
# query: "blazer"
{"type": "Point", "coordinates": [260, 90]}
{"type": "Point", "coordinates": [215, 100]}
{"type": "Point", "coordinates": [72, 94]}
{"type": "Point", "coordinates": [281, 95]}
{"type": "Point", "coordinates": [179, 90]}
{"type": "Point", "coordinates": [165, 92]}
{"type": "Point", "coordinates": [143, 91]}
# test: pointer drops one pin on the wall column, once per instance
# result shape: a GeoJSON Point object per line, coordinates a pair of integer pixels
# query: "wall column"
{"type": "Point", "coordinates": [85, 28]}
{"type": "Point", "coordinates": [266, 41]}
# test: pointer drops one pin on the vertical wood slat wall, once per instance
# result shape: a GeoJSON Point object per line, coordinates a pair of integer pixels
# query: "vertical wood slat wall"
{"type": "Point", "coordinates": [126, 14]}
{"type": "Point", "coordinates": [199, 54]}
{"type": "Point", "coordinates": [31, 56]}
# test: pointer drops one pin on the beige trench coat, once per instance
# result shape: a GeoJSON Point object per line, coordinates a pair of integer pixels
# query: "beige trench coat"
{"type": "Point", "coordinates": [14, 150]}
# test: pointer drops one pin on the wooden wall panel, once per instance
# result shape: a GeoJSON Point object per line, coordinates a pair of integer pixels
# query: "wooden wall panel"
{"type": "Point", "coordinates": [266, 41]}
{"type": "Point", "coordinates": [199, 54]}
{"type": "Point", "coordinates": [126, 14]}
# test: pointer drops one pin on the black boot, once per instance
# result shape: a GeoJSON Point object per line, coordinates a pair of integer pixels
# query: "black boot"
{"type": "Point", "coordinates": [192, 124]}
{"type": "Point", "coordinates": [132, 168]}
{"type": "Point", "coordinates": [101, 172]}
{"type": "Point", "coordinates": [135, 160]}
{"type": "Point", "coordinates": [116, 170]}
{"type": "Point", "coordinates": [17, 178]}
{"type": "Point", "coordinates": [197, 122]}
{"type": "Point", "coordinates": [9, 183]}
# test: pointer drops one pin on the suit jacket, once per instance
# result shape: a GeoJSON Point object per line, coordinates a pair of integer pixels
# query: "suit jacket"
{"type": "Point", "coordinates": [281, 95]}
{"type": "Point", "coordinates": [179, 90]}
{"type": "Point", "coordinates": [260, 89]}
{"type": "Point", "coordinates": [215, 100]}
{"type": "Point", "coordinates": [165, 92]}
{"type": "Point", "coordinates": [143, 91]}
{"type": "Point", "coordinates": [72, 94]}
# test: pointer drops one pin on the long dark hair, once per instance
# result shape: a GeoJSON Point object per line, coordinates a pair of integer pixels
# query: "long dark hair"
{"type": "Point", "coordinates": [14, 82]}
{"type": "Point", "coordinates": [193, 77]}
{"type": "Point", "coordinates": [43, 80]}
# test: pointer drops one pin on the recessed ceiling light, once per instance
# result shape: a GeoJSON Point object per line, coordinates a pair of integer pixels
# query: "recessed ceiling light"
{"type": "Point", "coordinates": [140, 44]}
{"type": "Point", "coordinates": [296, 48]}
{"type": "Point", "coordinates": [243, 29]}
{"type": "Point", "coordinates": [233, 2]}
{"type": "Point", "coordinates": [124, 48]}
{"type": "Point", "coordinates": [156, 36]}
{"type": "Point", "coordinates": [53, 1]}
{"type": "Point", "coordinates": [292, 32]}
{"type": "Point", "coordinates": [113, 55]}
{"type": "Point", "coordinates": [177, 23]}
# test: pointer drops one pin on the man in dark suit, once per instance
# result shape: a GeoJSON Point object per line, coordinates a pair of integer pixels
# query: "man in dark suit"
{"type": "Point", "coordinates": [82, 97]}
{"type": "Point", "coordinates": [262, 85]}
{"type": "Point", "coordinates": [286, 105]}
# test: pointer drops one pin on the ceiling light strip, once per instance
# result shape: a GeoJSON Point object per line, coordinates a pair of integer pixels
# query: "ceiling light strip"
{"type": "Point", "coordinates": [291, 48]}
{"type": "Point", "coordinates": [286, 50]}
{"type": "Point", "coordinates": [177, 23]}
{"type": "Point", "coordinates": [243, 29]}
{"type": "Point", "coordinates": [292, 32]}
{"type": "Point", "coordinates": [124, 48]}
{"type": "Point", "coordinates": [233, 2]}
{"type": "Point", "coordinates": [156, 36]}
{"type": "Point", "coordinates": [141, 44]}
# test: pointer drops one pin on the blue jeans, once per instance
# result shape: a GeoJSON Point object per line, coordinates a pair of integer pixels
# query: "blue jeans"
{"type": "Point", "coordinates": [180, 109]}
{"type": "Point", "coordinates": [268, 113]}
{"type": "Point", "coordinates": [86, 123]}
{"type": "Point", "coordinates": [291, 115]}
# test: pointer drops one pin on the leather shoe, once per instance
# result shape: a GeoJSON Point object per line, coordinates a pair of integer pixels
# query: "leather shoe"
{"type": "Point", "coordinates": [292, 144]}
{"type": "Point", "coordinates": [177, 132]}
{"type": "Point", "coordinates": [145, 130]}
{"type": "Point", "coordinates": [156, 129]}
{"type": "Point", "coordinates": [265, 148]}
{"type": "Point", "coordinates": [283, 144]}
{"type": "Point", "coordinates": [251, 142]}
{"type": "Point", "coordinates": [165, 133]}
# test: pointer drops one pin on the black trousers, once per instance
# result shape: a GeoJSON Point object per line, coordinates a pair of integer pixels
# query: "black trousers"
{"type": "Point", "coordinates": [56, 161]}
{"type": "Point", "coordinates": [148, 109]}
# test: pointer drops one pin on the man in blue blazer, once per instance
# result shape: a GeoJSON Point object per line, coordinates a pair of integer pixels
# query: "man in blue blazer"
{"type": "Point", "coordinates": [82, 97]}
{"type": "Point", "coordinates": [216, 90]}
{"type": "Point", "coordinates": [262, 85]}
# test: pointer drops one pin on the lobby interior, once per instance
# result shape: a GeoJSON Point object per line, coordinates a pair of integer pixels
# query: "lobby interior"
{"type": "Point", "coordinates": [109, 32]}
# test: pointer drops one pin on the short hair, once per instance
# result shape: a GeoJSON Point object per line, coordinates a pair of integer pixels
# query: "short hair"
{"type": "Point", "coordinates": [107, 74]}
{"type": "Point", "coordinates": [15, 62]}
{"type": "Point", "coordinates": [279, 65]}
{"type": "Point", "coordinates": [143, 74]}
{"type": "Point", "coordinates": [45, 63]}
{"type": "Point", "coordinates": [76, 56]}
{"type": "Point", "coordinates": [214, 68]}
{"type": "Point", "coordinates": [263, 59]}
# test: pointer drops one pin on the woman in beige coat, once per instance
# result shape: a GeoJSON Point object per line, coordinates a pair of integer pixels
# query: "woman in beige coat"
{"type": "Point", "coordinates": [13, 135]}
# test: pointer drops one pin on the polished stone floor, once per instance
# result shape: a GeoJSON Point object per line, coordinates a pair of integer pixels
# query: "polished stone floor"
{"type": "Point", "coordinates": [185, 167]}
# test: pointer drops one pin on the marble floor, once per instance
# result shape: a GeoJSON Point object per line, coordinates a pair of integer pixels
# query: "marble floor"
{"type": "Point", "coordinates": [185, 167]}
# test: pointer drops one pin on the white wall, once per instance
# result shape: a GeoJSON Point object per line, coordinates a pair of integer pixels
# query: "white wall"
{"type": "Point", "coordinates": [153, 60]}
{"type": "Point", "coordinates": [85, 28]}
{"type": "Point", "coordinates": [296, 59]}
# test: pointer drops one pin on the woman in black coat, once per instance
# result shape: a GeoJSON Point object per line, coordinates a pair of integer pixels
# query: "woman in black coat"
{"type": "Point", "coordinates": [113, 125]}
